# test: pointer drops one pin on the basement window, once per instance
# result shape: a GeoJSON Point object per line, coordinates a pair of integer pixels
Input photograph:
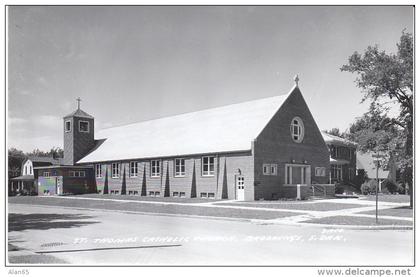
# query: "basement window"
{"type": "Point", "coordinates": [203, 195]}
{"type": "Point", "coordinates": [182, 194]}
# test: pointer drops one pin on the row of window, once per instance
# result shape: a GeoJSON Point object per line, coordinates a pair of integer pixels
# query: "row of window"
{"type": "Point", "coordinates": [77, 174]}
{"type": "Point", "coordinates": [341, 152]}
{"type": "Point", "coordinates": [271, 169]}
{"type": "Point", "coordinates": [207, 168]}
{"type": "Point", "coordinates": [83, 126]}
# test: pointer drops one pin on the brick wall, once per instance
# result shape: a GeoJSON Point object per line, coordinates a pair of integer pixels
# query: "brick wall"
{"type": "Point", "coordinates": [204, 184]}
{"type": "Point", "coordinates": [275, 145]}
{"type": "Point", "coordinates": [77, 144]}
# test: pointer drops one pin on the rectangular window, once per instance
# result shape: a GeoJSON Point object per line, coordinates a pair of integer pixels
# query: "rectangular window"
{"type": "Point", "coordinates": [179, 167]}
{"type": "Point", "coordinates": [151, 193]}
{"type": "Point", "coordinates": [155, 168]}
{"type": "Point", "coordinates": [47, 174]}
{"type": "Point", "coordinates": [84, 126]}
{"type": "Point", "coordinates": [273, 169]}
{"type": "Point", "coordinates": [203, 195]}
{"type": "Point", "coordinates": [266, 169]}
{"type": "Point", "coordinates": [98, 170]}
{"type": "Point", "coordinates": [175, 194]}
{"type": "Point", "coordinates": [207, 166]}
{"type": "Point", "coordinates": [67, 126]}
{"type": "Point", "coordinates": [210, 194]}
{"type": "Point", "coordinates": [77, 173]}
{"type": "Point", "coordinates": [182, 194]}
{"type": "Point", "coordinates": [319, 171]}
{"type": "Point", "coordinates": [336, 172]}
{"type": "Point", "coordinates": [157, 193]}
{"type": "Point", "coordinates": [115, 170]}
{"type": "Point", "coordinates": [133, 169]}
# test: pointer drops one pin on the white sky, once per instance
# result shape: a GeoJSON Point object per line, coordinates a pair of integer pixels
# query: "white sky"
{"type": "Point", "coordinates": [136, 63]}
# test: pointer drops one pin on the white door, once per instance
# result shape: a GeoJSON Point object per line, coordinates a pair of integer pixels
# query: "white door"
{"type": "Point", "coordinates": [240, 188]}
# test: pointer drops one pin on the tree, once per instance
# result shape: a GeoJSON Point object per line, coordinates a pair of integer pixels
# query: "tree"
{"type": "Point", "coordinates": [335, 132]}
{"type": "Point", "coordinates": [387, 77]}
{"type": "Point", "coordinates": [55, 152]}
{"type": "Point", "coordinates": [15, 158]}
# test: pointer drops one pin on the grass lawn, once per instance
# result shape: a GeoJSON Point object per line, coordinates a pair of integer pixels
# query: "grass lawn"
{"type": "Point", "coordinates": [309, 206]}
{"type": "Point", "coordinates": [145, 198]}
{"type": "Point", "coordinates": [396, 198]}
{"type": "Point", "coordinates": [354, 220]}
{"type": "Point", "coordinates": [401, 211]}
{"type": "Point", "coordinates": [150, 207]}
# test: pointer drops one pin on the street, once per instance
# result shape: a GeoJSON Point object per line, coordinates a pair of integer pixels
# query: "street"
{"type": "Point", "coordinates": [91, 237]}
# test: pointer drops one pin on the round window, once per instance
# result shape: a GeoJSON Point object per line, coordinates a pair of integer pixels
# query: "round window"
{"type": "Point", "coordinates": [297, 130]}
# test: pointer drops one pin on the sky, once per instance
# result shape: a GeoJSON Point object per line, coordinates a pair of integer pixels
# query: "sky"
{"type": "Point", "coordinates": [131, 64]}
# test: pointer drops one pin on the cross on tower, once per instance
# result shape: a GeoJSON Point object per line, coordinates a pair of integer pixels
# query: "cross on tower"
{"type": "Point", "coordinates": [78, 102]}
{"type": "Point", "coordinates": [296, 79]}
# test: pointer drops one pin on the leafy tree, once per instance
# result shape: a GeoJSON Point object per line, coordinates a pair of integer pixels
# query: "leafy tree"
{"type": "Point", "coordinates": [335, 132]}
{"type": "Point", "coordinates": [55, 152]}
{"type": "Point", "coordinates": [15, 158]}
{"type": "Point", "coordinates": [387, 77]}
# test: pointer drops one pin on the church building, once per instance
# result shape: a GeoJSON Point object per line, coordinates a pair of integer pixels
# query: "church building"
{"type": "Point", "coordinates": [269, 148]}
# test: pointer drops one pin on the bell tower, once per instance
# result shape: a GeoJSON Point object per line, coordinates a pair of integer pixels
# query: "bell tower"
{"type": "Point", "coordinates": [78, 135]}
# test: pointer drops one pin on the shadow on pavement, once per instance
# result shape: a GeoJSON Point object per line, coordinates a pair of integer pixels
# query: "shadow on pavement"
{"type": "Point", "coordinates": [20, 222]}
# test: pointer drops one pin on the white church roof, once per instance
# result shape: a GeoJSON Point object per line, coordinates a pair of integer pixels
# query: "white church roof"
{"type": "Point", "coordinates": [223, 129]}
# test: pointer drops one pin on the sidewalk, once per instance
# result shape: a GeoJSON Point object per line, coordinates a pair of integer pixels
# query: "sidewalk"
{"type": "Point", "coordinates": [343, 216]}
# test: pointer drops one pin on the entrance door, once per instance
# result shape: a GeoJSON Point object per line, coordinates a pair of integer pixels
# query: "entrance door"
{"type": "Point", "coordinates": [298, 174]}
{"type": "Point", "coordinates": [240, 188]}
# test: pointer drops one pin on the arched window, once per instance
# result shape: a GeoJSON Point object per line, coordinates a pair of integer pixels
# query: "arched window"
{"type": "Point", "coordinates": [297, 129]}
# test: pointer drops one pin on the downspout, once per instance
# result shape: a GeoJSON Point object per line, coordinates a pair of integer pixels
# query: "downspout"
{"type": "Point", "coordinates": [217, 179]}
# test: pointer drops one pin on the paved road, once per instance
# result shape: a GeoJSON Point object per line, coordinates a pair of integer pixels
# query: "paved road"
{"type": "Point", "coordinates": [115, 237]}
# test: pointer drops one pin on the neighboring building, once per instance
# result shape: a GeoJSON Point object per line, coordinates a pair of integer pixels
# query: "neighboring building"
{"type": "Point", "coordinates": [25, 183]}
{"type": "Point", "coordinates": [366, 166]}
{"type": "Point", "coordinates": [342, 159]}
